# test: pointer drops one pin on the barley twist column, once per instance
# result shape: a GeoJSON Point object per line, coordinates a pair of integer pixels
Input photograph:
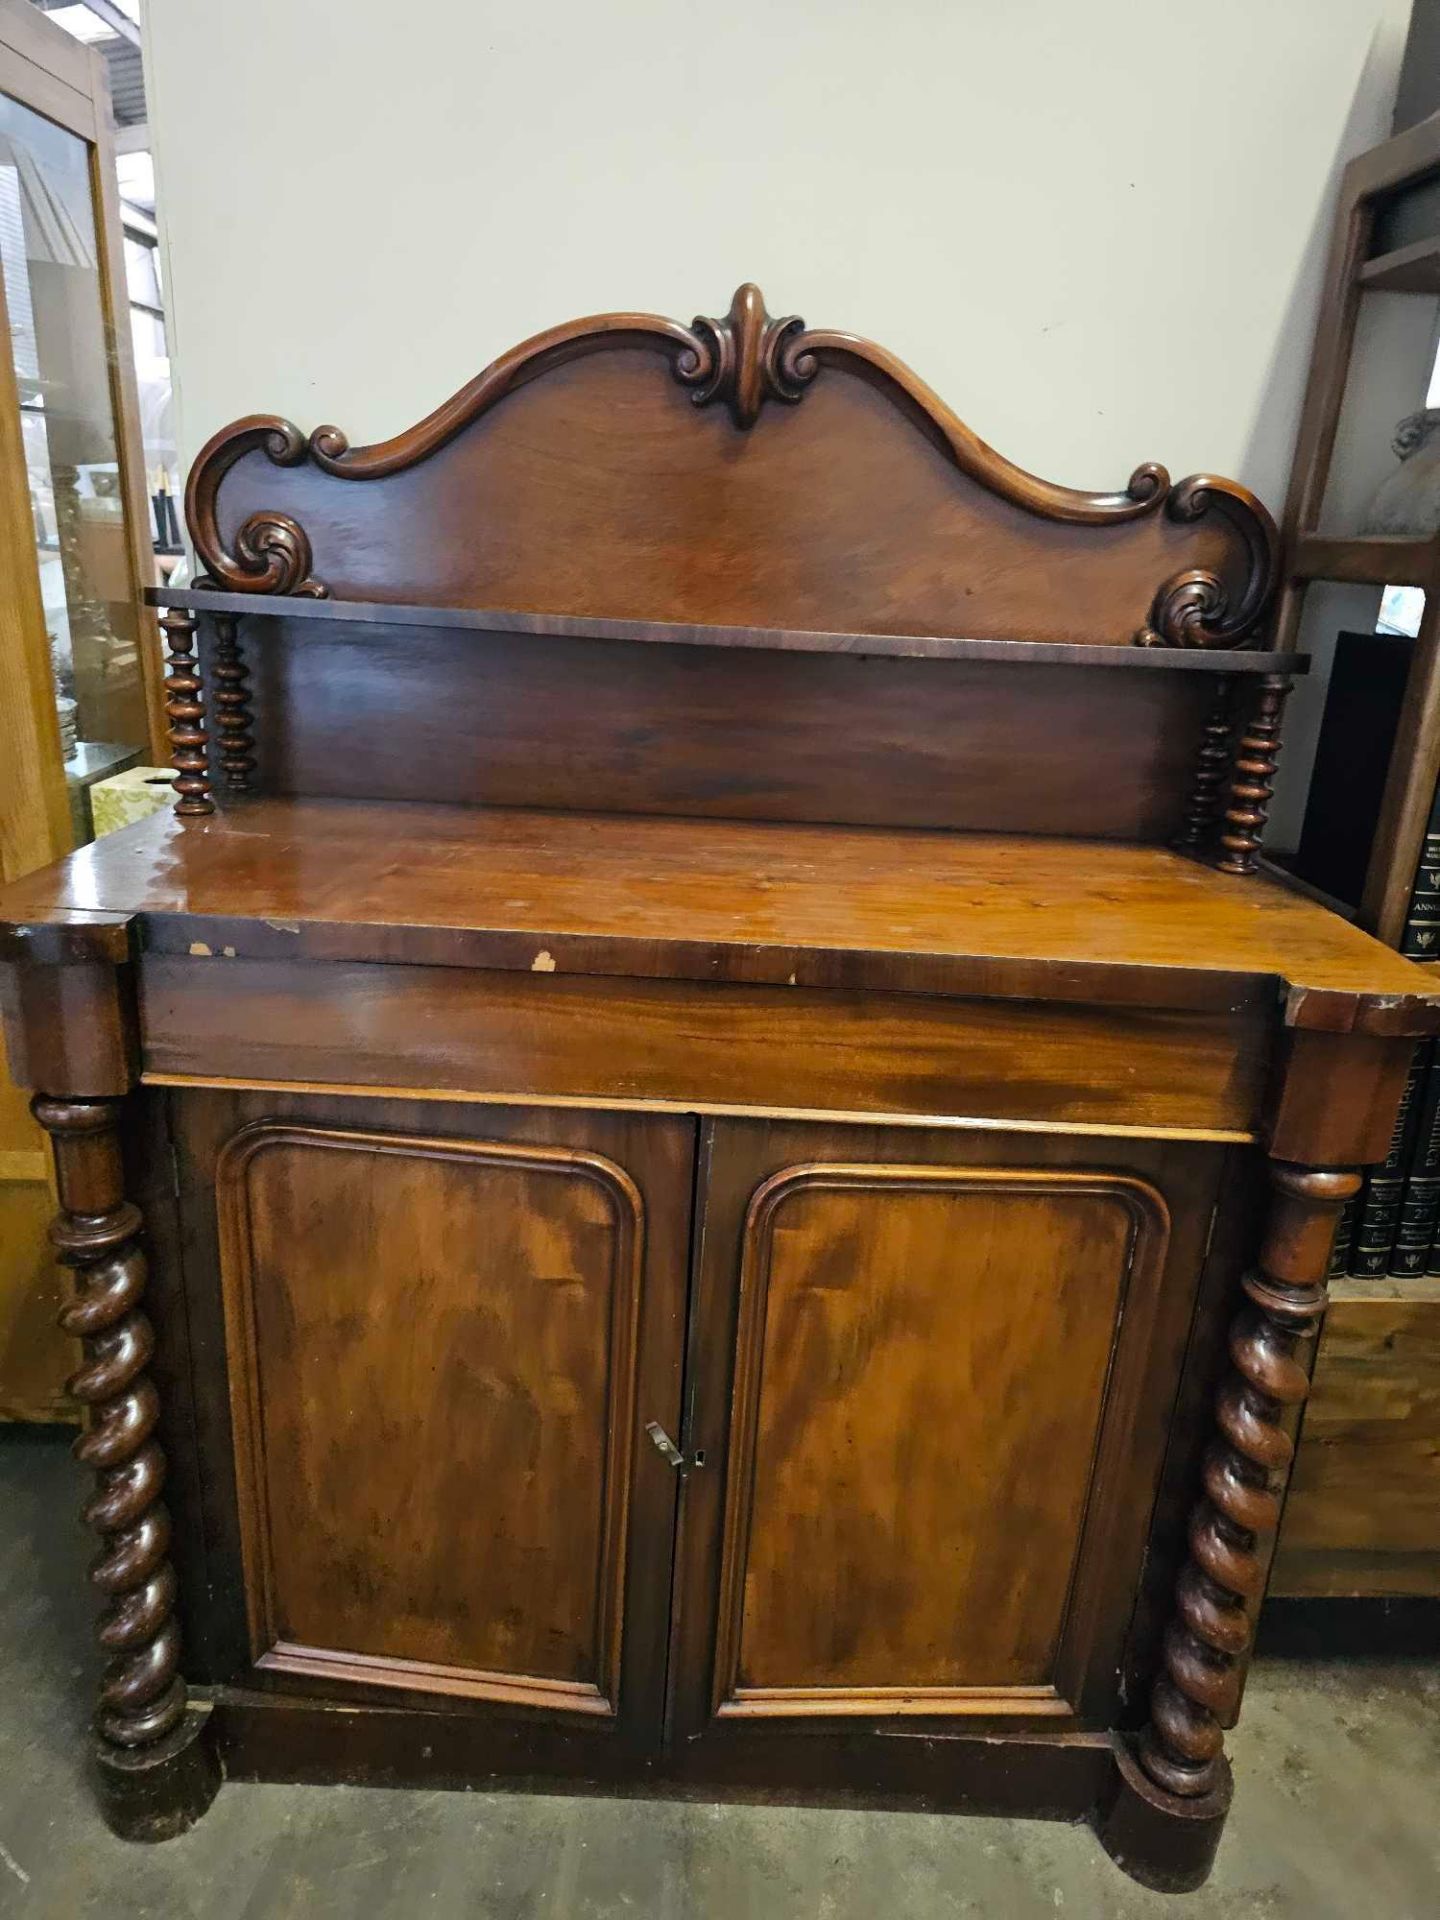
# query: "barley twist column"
{"type": "Point", "coordinates": [157, 1775]}
{"type": "Point", "coordinates": [1246, 1470]}
{"type": "Point", "coordinates": [1178, 1775]}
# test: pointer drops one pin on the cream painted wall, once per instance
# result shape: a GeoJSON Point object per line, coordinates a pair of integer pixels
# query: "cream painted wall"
{"type": "Point", "coordinates": [1089, 226]}
{"type": "Point", "coordinates": [1096, 229]}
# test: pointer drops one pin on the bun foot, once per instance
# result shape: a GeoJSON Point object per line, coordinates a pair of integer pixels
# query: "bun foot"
{"type": "Point", "coordinates": [159, 1791]}
{"type": "Point", "coordinates": [1164, 1840]}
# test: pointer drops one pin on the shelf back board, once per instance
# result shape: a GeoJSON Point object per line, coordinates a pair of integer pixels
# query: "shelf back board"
{"type": "Point", "coordinates": [368, 710]}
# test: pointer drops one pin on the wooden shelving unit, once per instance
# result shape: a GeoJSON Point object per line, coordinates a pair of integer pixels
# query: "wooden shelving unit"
{"type": "Point", "coordinates": [1372, 184]}
{"type": "Point", "coordinates": [1229, 662]}
{"type": "Point", "coordinates": [1412, 269]}
{"type": "Point", "coordinates": [1363, 1517]}
{"type": "Point", "coordinates": [1365, 560]}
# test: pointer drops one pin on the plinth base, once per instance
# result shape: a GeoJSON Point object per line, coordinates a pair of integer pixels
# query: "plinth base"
{"type": "Point", "coordinates": [1163, 1840]}
{"type": "Point", "coordinates": [159, 1791]}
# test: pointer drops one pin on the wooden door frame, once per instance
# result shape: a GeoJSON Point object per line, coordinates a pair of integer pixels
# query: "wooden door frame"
{"type": "Point", "coordinates": [58, 77]}
{"type": "Point", "coordinates": [34, 807]}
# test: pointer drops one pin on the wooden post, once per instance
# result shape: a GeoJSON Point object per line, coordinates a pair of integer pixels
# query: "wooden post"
{"type": "Point", "coordinates": [1248, 806]}
{"type": "Point", "coordinates": [233, 721]}
{"type": "Point", "coordinates": [1334, 1099]}
{"type": "Point", "coordinates": [1173, 1790]}
{"type": "Point", "coordinates": [183, 705]}
{"type": "Point", "coordinates": [75, 1029]}
{"type": "Point", "coordinates": [1212, 763]}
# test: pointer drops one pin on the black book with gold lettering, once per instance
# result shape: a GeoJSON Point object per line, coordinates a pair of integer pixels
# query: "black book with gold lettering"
{"type": "Point", "coordinates": [1428, 1166]}
{"type": "Point", "coordinates": [1421, 938]}
{"type": "Point", "coordinates": [1377, 1222]}
{"type": "Point", "coordinates": [1420, 1202]}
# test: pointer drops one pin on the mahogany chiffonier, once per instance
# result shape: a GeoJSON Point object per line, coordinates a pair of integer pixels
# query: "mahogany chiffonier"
{"type": "Point", "coordinates": [699, 1156]}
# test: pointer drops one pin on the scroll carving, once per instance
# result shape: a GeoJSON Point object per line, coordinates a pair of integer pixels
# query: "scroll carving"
{"type": "Point", "coordinates": [272, 551]}
{"type": "Point", "coordinates": [748, 361]}
{"type": "Point", "coordinates": [1194, 608]}
{"type": "Point", "coordinates": [142, 1697]}
{"type": "Point", "coordinates": [797, 353]}
{"type": "Point", "coordinates": [742, 361]}
{"type": "Point", "coordinates": [1206, 1647]}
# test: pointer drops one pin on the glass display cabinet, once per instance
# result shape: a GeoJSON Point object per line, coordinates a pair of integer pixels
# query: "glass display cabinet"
{"type": "Point", "coordinates": [78, 649]}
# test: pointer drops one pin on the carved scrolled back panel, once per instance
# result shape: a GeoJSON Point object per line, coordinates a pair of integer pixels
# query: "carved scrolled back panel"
{"type": "Point", "coordinates": [627, 466]}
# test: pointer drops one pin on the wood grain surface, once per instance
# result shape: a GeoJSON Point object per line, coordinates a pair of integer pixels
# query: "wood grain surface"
{"type": "Point", "coordinates": [1363, 1516]}
{"type": "Point", "coordinates": [435, 1383]}
{"type": "Point", "coordinates": [911, 1358]}
{"type": "Point", "coordinates": [601, 893]}
{"type": "Point", "coordinates": [1223, 663]}
{"type": "Point", "coordinates": [535, 1035]}
{"type": "Point", "coordinates": [613, 724]}
{"type": "Point", "coordinates": [600, 489]}
{"type": "Point", "coordinates": [903, 1335]}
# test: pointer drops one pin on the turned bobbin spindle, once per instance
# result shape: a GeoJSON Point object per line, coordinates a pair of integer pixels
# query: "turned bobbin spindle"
{"type": "Point", "coordinates": [185, 711]}
{"type": "Point", "coordinates": [233, 720]}
{"type": "Point", "coordinates": [1248, 804]}
{"type": "Point", "coordinates": [1212, 765]}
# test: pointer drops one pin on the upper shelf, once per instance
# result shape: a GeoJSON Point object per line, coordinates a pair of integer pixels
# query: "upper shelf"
{"type": "Point", "coordinates": [1412, 269]}
{"type": "Point", "coordinates": [772, 639]}
{"type": "Point", "coordinates": [1365, 560]}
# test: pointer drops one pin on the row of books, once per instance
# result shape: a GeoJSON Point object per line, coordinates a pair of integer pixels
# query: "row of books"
{"type": "Point", "coordinates": [1392, 1226]}
{"type": "Point", "coordinates": [1421, 938]}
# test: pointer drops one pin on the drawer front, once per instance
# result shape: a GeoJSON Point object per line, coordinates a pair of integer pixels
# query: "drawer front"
{"type": "Point", "coordinates": [934, 1376]}
{"type": "Point", "coordinates": [544, 1035]}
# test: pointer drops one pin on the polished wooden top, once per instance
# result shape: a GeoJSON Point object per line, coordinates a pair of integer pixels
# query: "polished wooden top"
{"type": "Point", "coordinates": [720, 900]}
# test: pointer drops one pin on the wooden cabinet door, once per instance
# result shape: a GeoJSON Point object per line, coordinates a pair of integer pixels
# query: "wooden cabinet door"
{"type": "Point", "coordinates": [931, 1385]}
{"type": "Point", "coordinates": [447, 1328]}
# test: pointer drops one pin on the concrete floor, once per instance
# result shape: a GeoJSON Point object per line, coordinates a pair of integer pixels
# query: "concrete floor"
{"type": "Point", "coordinates": [1337, 1810]}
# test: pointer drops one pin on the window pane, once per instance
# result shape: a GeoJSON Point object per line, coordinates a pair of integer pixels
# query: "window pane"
{"type": "Point", "coordinates": [140, 276]}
